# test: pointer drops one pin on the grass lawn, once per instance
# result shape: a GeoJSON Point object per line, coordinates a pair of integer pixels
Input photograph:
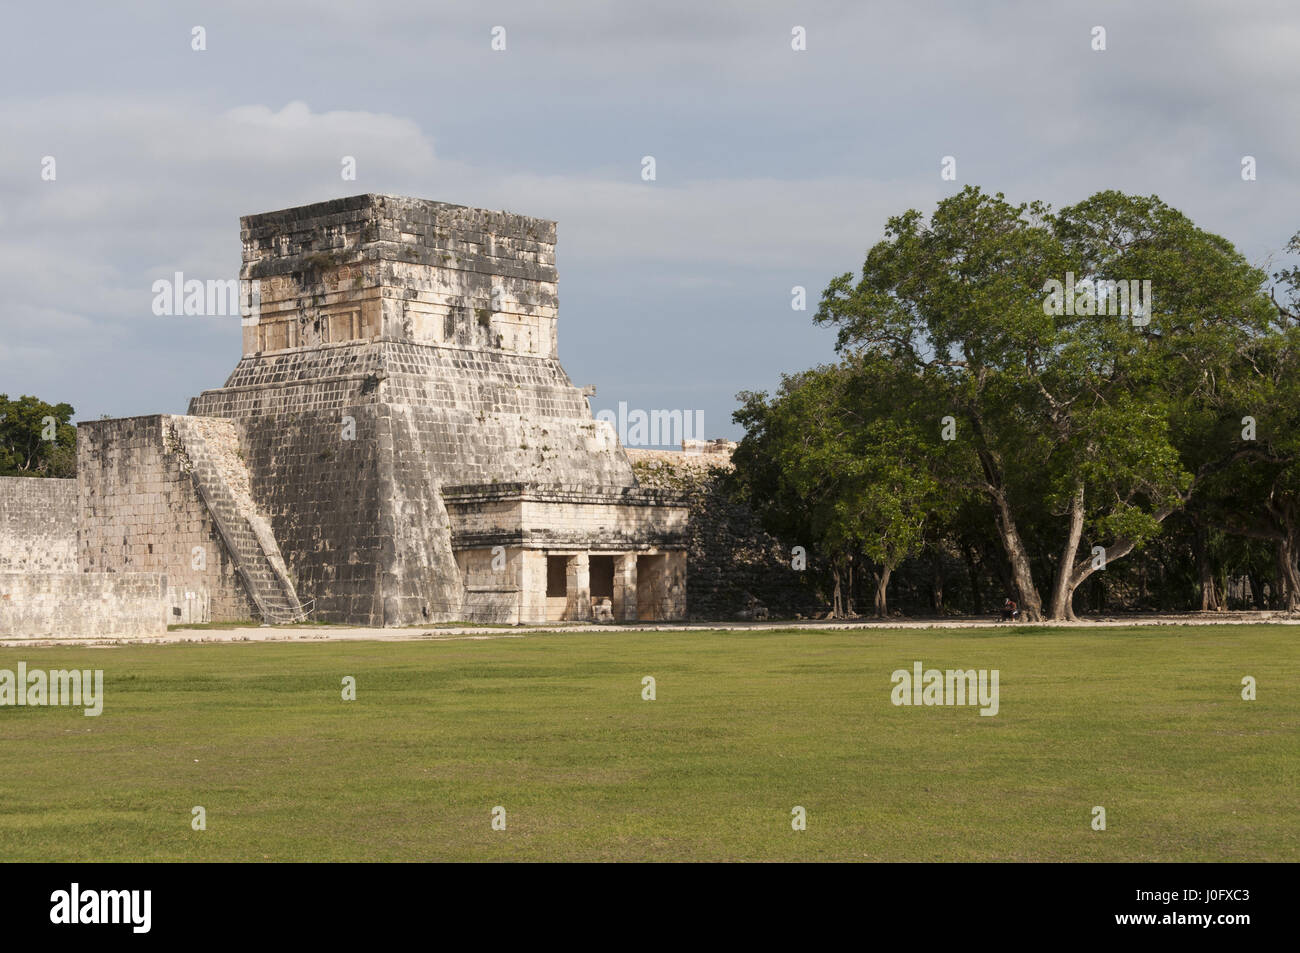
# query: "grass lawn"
{"type": "Point", "coordinates": [1147, 722]}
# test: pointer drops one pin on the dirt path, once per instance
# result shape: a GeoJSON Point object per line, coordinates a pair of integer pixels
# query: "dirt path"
{"type": "Point", "coordinates": [338, 633]}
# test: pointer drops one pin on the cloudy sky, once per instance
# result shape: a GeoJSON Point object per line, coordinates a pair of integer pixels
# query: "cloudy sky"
{"type": "Point", "coordinates": [774, 167]}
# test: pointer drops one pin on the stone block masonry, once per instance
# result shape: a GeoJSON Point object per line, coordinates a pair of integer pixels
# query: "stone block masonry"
{"type": "Point", "coordinates": [639, 533]}
{"type": "Point", "coordinates": [140, 510]}
{"type": "Point", "coordinates": [213, 458]}
{"type": "Point", "coordinates": [386, 267]}
{"type": "Point", "coordinates": [58, 605]}
{"type": "Point", "coordinates": [737, 570]}
{"type": "Point", "coordinates": [43, 593]}
{"type": "Point", "coordinates": [38, 525]}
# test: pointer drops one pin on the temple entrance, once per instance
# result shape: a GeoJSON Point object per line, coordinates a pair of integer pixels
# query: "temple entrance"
{"type": "Point", "coordinates": [602, 587]}
{"type": "Point", "coordinates": [557, 587]}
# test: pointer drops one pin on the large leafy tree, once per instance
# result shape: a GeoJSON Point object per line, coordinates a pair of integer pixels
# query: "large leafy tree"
{"type": "Point", "coordinates": [1073, 424]}
{"type": "Point", "coordinates": [36, 438]}
{"type": "Point", "coordinates": [957, 301]}
{"type": "Point", "coordinates": [1154, 392]}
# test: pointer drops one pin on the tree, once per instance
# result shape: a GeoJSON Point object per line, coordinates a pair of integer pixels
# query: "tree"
{"type": "Point", "coordinates": [1069, 420]}
{"type": "Point", "coordinates": [1155, 384]}
{"type": "Point", "coordinates": [1257, 496]}
{"type": "Point", "coordinates": [36, 438]}
{"type": "Point", "coordinates": [829, 462]}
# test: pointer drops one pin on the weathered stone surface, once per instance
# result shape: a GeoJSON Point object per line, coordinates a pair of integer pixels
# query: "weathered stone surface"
{"type": "Point", "coordinates": [399, 356]}
{"type": "Point", "coordinates": [140, 510]}
{"type": "Point", "coordinates": [38, 525]}
{"type": "Point", "coordinates": [55, 605]}
{"type": "Point", "coordinates": [577, 523]}
{"type": "Point", "coordinates": [210, 452]}
{"type": "Point", "coordinates": [737, 571]}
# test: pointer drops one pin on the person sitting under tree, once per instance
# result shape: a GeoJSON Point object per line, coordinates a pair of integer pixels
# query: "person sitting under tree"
{"type": "Point", "coordinates": [1010, 611]}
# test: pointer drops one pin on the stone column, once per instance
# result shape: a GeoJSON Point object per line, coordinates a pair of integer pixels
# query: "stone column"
{"type": "Point", "coordinates": [532, 587]}
{"type": "Point", "coordinates": [625, 588]}
{"type": "Point", "coordinates": [578, 589]}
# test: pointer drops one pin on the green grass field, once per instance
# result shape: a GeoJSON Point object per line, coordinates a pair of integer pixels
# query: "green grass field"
{"type": "Point", "coordinates": [1147, 722]}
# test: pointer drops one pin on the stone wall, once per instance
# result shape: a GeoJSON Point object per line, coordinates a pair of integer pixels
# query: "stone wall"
{"type": "Point", "coordinates": [58, 605]}
{"type": "Point", "coordinates": [38, 525]}
{"type": "Point", "coordinates": [495, 594]}
{"type": "Point", "coordinates": [140, 511]}
{"type": "Point", "coordinates": [735, 570]}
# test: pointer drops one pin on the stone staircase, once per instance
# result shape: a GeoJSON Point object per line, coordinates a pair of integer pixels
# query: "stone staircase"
{"type": "Point", "coordinates": [210, 449]}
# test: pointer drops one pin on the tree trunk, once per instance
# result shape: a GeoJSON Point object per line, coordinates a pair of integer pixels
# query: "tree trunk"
{"type": "Point", "coordinates": [936, 586]}
{"type": "Point", "coordinates": [1288, 575]}
{"type": "Point", "coordinates": [1205, 571]}
{"type": "Point", "coordinates": [837, 601]}
{"type": "Point", "coordinates": [848, 609]}
{"type": "Point", "coordinates": [1062, 591]}
{"type": "Point", "coordinates": [1117, 550]}
{"type": "Point", "coordinates": [882, 581]}
{"type": "Point", "coordinates": [1022, 577]}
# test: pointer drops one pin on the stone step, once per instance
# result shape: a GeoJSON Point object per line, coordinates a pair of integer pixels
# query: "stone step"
{"type": "Point", "coordinates": [212, 448]}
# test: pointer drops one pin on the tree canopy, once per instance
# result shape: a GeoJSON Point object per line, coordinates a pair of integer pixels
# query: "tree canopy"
{"type": "Point", "coordinates": [36, 438]}
{"type": "Point", "coordinates": [1064, 382]}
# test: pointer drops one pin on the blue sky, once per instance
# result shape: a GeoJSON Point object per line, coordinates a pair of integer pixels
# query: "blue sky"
{"type": "Point", "coordinates": [775, 168]}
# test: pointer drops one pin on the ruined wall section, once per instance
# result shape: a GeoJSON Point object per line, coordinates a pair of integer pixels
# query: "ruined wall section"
{"type": "Point", "coordinates": [140, 511]}
{"type": "Point", "coordinates": [496, 595]}
{"type": "Point", "coordinates": [38, 525]}
{"type": "Point", "coordinates": [215, 461]}
{"type": "Point", "coordinates": [357, 516]}
{"type": "Point", "coordinates": [488, 417]}
{"type": "Point", "coordinates": [736, 570]}
{"type": "Point", "coordinates": [452, 311]}
{"type": "Point", "coordinates": [68, 605]}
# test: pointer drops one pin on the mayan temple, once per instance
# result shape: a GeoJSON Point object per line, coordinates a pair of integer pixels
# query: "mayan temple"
{"type": "Point", "coordinates": [398, 443]}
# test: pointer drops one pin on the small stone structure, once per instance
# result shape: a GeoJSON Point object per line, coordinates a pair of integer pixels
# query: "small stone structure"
{"type": "Point", "coordinates": [398, 444]}
{"type": "Point", "coordinates": [565, 546]}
